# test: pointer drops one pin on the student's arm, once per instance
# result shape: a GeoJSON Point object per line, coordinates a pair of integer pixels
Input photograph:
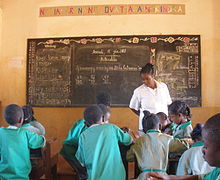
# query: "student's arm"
{"type": "Point", "coordinates": [155, 176]}
{"type": "Point", "coordinates": [183, 167]}
{"type": "Point", "coordinates": [177, 145]}
{"type": "Point", "coordinates": [80, 153]}
{"type": "Point", "coordinates": [188, 130]}
{"type": "Point", "coordinates": [130, 156]}
{"type": "Point", "coordinates": [75, 132]}
{"type": "Point", "coordinates": [123, 137]}
{"type": "Point", "coordinates": [39, 126]}
{"type": "Point", "coordinates": [35, 140]}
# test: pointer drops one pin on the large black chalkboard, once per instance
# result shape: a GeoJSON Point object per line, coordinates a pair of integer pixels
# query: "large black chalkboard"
{"type": "Point", "coordinates": [68, 72]}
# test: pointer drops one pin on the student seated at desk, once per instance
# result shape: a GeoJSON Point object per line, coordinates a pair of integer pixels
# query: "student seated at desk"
{"type": "Point", "coordinates": [211, 153]}
{"type": "Point", "coordinates": [166, 126]}
{"type": "Point", "coordinates": [151, 150]}
{"type": "Point", "coordinates": [70, 144]}
{"type": "Point", "coordinates": [98, 147]}
{"type": "Point", "coordinates": [30, 122]}
{"type": "Point", "coordinates": [15, 144]}
{"type": "Point", "coordinates": [192, 161]}
{"type": "Point", "coordinates": [179, 113]}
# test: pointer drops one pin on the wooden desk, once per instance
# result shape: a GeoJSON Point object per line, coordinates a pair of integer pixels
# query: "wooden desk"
{"type": "Point", "coordinates": [46, 163]}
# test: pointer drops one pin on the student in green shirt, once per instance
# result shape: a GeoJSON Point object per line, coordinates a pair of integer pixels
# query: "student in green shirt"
{"type": "Point", "coordinates": [30, 122]}
{"type": "Point", "coordinates": [211, 153]}
{"type": "Point", "coordinates": [98, 147]}
{"type": "Point", "coordinates": [15, 144]}
{"type": "Point", "coordinates": [179, 113]}
{"type": "Point", "coordinates": [70, 144]}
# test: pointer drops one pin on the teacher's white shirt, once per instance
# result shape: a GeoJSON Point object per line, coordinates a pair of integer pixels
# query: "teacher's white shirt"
{"type": "Point", "coordinates": [154, 100]}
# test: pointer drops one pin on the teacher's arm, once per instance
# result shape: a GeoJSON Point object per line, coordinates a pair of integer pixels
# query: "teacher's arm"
{"type": "Point", "coordinates": [135, 103]}
{"type": "Point", "coordinates": [135, 111]}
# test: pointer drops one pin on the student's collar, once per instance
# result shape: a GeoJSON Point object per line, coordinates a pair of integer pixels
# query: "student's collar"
{"type": "Point", "coordinates": [153, 131]}
{"type": "Point", "coordinates": [199, 143]}
{"type": "Point", "coordinates": [182, 126]}
{"type": "Point", "coordinates": [12, 127]}
{"type": "Point", "coordinates": [94, 125]}
{"type": "Point", "coordinates": [26, 125]}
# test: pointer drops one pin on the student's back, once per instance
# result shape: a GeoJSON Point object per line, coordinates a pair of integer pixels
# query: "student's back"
{"type": "Point", "coordinates": [99, 151]}
{"type": "Point", "coordinates": [192, 161]}
{"type": "Point", "coordinates": [151, 150]}
{"type": "Point", "coordinates": [15, 144]}
{"type": "Point", "coordinates": [15, 152]}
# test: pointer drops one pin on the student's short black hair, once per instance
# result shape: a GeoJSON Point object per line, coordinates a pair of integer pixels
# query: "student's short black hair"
{"type": "Point", "coordinates": [92, 114]}
{"type": "Point", "coordinates": [161, 114]}
{"type": "Point", "coordinates": [148, 69]}
{"type": "Point", "coordinates": [211, 129]}
{"type": "Point", "coordinates": [178, 107]}
{"type": "Point", "coordinates": [104, 109]}
{"type": "Point", "coordinates": [103, 98]}
{"type": "Point", "coordinates": [150, 121]}
{"type": "Point", "coordinates": [28, 113]}
{"type": "Point", "coordinates": [13, 114]}
{"type": "Point", "coordinates": [196, 134]}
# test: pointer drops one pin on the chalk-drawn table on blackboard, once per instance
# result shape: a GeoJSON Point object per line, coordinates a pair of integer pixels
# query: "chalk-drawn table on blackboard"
{"type": "Point", "coordinates": [69, 72]}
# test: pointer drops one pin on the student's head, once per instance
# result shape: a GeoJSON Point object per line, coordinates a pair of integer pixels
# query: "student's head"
{"type": "Point", "coordinates": [14, 115]}
{"type": "Point", "coordinates": [106, 113]}
{"type": "Point", "coordinates": [210, 136]}
{"type": "Point", "coordinates": [147, 74]}
{"type": "Point", "coordinates": [164, 121]}
{"type": "Point", "coordinates": [150, 121]}
{"type": "Point", "coordinates": [179, 111]}
{"type": "Point", "coordinates": [93, 115]}
{"type": "Point", "coordinates": [196, 134]}
{"type": "Point", "coordinates": [103, 98]}
{"type": "Point", "coordinates": [28, 113]}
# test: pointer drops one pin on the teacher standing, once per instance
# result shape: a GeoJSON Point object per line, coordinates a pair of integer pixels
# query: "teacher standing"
{"type": "Point", "coordinates": [152, 95]}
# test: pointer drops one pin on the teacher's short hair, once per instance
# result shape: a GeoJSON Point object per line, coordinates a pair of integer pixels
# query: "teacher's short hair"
{"type": "Point", "coordinates": [148, 69]}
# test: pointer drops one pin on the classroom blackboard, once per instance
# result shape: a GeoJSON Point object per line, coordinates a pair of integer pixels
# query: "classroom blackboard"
{"type": "Point", "coordinates": [71, 71]}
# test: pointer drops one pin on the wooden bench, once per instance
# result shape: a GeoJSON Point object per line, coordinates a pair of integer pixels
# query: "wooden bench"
{"type": "Point", "coordinates": [44, 166]}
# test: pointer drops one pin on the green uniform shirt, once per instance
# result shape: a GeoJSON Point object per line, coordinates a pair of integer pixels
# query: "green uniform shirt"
{"type": "Point", "coordinates": [99, 152]}
{"type": "Point", "coordinates": [183, 131]}
{"type": "Point", "coordinates": [29, 127]}
{"type": "Point", "coordinates": [213, 175]}
{"type": "Point", "coordinates": [170, 129]}
{"type": "Point", "coordinates": [39, 126]}
{"type": "Point", "coordinates": [151, 151]}
{"type": "Point", "coordinates": [15, 144]}
{"type": "Point", "coordinates": [70, 144]}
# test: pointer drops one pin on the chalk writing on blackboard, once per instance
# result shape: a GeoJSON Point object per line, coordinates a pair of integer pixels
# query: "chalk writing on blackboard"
{"type": "Point", "coordinates": [69, 72]}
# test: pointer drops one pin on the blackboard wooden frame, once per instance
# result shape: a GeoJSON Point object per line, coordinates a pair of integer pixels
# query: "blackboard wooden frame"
{"type": "Point", "coordinates": [135, 40]}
